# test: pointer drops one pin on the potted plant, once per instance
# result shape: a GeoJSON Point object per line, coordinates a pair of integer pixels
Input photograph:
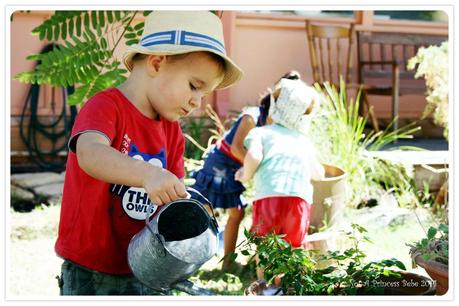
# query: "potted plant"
{"type": "Point", "coordinates": [431, 253]}
{"type": "Point", "coordinates": [329, 197]}
{"type": "Point", "coordinates": [306, 272]}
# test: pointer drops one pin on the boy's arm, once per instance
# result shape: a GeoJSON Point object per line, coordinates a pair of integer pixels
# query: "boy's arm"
{"type": "Point", "coordinates": [98, 159]}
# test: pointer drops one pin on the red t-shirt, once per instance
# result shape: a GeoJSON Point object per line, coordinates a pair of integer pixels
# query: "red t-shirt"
{"type": "Point", "coordinates": [98, 219]}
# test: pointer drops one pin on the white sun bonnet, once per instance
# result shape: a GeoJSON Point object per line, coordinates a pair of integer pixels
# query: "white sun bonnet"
{"type": "Point", "coordinates": [294, 99]}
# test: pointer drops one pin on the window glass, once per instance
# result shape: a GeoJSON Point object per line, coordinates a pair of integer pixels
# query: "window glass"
{"type": "Point", "coordinates": [349, 14]}
{"type": "Point", "coordinates": [436, 16]}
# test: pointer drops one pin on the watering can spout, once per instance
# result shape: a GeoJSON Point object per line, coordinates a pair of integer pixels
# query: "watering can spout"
{"type": "Point", "coordinates": [190, 288]}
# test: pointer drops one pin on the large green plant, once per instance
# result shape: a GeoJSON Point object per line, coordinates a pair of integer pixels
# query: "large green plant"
{"type": "Point", "coordinates": [304, 272]}
{"type": "Point", "coordinates": [85, 54]}
{"type": "Point", "coordinates": [340, 137]}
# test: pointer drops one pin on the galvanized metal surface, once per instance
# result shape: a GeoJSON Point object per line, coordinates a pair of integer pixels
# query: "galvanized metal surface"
{"type": "Point", "coordinates": [160, 264]}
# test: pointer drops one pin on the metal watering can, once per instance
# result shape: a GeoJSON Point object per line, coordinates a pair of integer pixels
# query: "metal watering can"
{"type": "Point", "coordinates": [180, 238]}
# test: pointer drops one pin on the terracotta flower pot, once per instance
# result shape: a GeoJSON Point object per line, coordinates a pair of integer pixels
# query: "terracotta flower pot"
{"type": "Point", "coordinates": [436, 270]}
{"type": "Point", "coordinates": [408, 284]}
{"type": "Point", "coordinates": [329, 197]}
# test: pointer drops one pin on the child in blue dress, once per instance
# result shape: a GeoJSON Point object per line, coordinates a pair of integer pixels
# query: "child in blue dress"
{"type": "Point", "coordinates": [215, 180]}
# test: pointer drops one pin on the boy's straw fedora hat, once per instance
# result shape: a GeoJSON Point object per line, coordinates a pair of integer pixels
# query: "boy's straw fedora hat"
{"type": "Point", "coordinates": [178, 32]}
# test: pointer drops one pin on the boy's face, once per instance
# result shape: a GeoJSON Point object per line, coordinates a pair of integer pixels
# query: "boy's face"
{"type": "Point", "coordinates": [178, 85]}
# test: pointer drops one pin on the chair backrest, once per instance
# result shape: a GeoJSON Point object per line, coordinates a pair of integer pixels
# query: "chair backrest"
{"type": "Point", "coordinates": [378, 51]}
{"type": "Point", "coordinates": [330, 52]}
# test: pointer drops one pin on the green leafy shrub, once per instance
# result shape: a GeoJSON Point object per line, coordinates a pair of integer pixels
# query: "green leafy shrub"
{"type": "Point", "coordinates": [339, 134]}
{"type": "Point", "coordinates": [434, 247]}
{"type": "Point", "coordinates": [306, 272]}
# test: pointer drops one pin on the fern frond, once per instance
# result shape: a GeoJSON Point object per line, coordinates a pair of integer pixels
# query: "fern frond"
{"type": "Point", "coordinates": [64, 24]}
{"type": "Point", "coordinates": [70, 64]}
{"type": "Point", "coordinates": [85, 56]}
{"type": "Point", "coordinates": [97, 84]}
{"type": "Point", "coordinates": [54, 23]}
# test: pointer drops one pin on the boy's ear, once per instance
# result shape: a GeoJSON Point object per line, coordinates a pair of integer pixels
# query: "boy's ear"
{"type": "Point", "coordinates": [154, 63]}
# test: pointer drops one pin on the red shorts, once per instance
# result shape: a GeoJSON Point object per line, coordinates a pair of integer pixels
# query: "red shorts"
{"type": "Point", "coordinates": [289, 216]}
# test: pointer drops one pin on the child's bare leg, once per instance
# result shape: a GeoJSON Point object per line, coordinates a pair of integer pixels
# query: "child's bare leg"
{"type": "Point", "coordinates": [260, 271]}
{"type": "Point", "coordinates": [235, 217]}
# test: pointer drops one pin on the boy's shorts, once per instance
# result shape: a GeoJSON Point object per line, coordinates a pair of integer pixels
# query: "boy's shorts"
{"type": "Point", "coordinates": [289, 216]}
{"type": "Point", "coordinates": [76, 280]}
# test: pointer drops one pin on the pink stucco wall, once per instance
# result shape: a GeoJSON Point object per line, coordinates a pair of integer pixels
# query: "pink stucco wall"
{"type": "Point", "coordinates": [264, 46]}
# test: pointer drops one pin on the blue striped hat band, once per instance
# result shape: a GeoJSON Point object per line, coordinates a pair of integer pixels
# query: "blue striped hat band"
{"type": "Point", "coordinates": [179, 37]}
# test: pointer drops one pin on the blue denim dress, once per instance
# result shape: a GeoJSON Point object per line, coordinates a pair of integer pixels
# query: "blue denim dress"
{"type": "Point", "coordinates": [215, 180]}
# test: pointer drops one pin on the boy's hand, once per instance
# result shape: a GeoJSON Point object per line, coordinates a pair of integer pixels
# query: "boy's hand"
{"type": "Point", "coordinates": [163, 187]}
{"type": "Point", "coordinates": [98, 159]}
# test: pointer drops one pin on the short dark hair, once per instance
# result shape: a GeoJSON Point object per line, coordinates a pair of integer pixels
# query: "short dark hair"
{"type": "Point", "coordinates": [138, 57]}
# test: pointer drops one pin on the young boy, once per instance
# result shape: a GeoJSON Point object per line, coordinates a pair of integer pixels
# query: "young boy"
{"type": "Point", "coordinates": [126, 148]}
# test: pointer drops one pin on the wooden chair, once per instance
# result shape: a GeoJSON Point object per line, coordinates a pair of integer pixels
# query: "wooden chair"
{"type": "Point", "coordinates": [382, 59]}
{"type": "Point", "coordinates": [330, 53]}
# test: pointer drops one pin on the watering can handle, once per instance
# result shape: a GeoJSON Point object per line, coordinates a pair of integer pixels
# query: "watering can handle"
{"type": "Point", "coordinates": [200, 194]}
{"type": "Point", "coordinates": [214, 219]}
{"type": "Point", "coordinates": [151, 210]}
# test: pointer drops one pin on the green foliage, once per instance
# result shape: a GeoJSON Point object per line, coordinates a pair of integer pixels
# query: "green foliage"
{"type": "Point", "coordinates": [434, 246]}
{"type": "Point", "coordinates": [424, 196]}
{"type": "Point", "coordinates": [85, 55]}
{"type": "Point", "coordinates": [193, 128]}
{"type": "Point", "coordinates": [306, 272]}
{"type": "Point", "coordinates": [218, 129]}
{"type": "Point", "coordinates": [339, 134]}
{"type": "Point", "coordinates": [196, 131]}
